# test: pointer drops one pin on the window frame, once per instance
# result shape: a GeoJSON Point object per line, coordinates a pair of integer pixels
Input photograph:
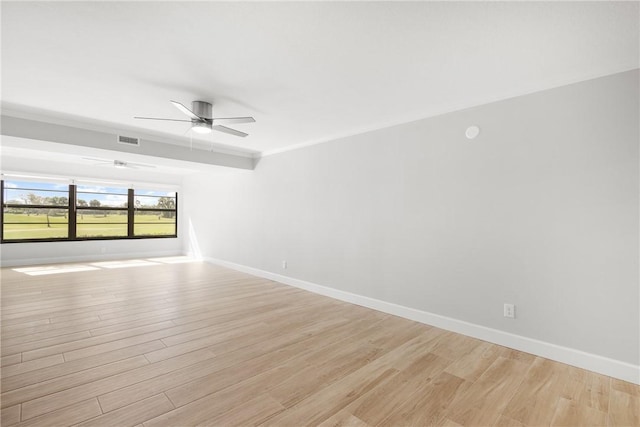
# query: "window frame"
{"type": "Point", "coordinates": [73, 210]}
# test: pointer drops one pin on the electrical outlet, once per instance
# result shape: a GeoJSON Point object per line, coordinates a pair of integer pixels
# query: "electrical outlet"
{"type": "Point", "coordinates": [510, 311]}
{"type": "Point", "coordinates": [284, 265]}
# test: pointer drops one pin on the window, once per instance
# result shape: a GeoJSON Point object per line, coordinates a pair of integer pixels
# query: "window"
{"type": "Point", "coordinates": [101, 212]}
{"type": "Point", "coordinates": [155, 213]}
{"type": "Point", "coordinates": [41, 211]}
{"type": "Point", "coordinates": [35, 210]}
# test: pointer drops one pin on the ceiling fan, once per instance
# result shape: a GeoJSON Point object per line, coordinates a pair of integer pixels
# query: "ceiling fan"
{"type": "Point", "coordinates": [202, 120]}
{"type": "Point", "coordinates": [118, 164]}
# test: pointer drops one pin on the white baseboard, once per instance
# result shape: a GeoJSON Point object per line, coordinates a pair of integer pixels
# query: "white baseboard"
{"type": "Point", "coordinates": [592, 362]}
{"type": "Point", "coordinates": [86, 258]}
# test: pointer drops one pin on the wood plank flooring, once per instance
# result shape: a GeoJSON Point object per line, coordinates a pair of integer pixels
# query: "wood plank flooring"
{"type": "Point", "coordinates": [180, 344]}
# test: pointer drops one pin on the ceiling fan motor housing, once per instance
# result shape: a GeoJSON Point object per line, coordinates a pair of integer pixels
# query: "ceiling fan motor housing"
{"type": "Point", "coordinates": [202, 109]}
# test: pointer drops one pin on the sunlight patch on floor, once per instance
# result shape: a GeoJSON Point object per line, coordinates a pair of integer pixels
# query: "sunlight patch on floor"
{"type": "Point", "coordinates": [54, 269]}
{"type": "Point", "coordinates": [41, 270]}
{"type": "Point", "coordinates": [173, 259]}
{"type": "Point", "coordinates": [124, 263]}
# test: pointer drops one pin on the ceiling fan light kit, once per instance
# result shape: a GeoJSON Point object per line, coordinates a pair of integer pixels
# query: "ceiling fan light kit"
{"type": "Point", "coordinates": [200, 127]}
{"type": "Point", "coordinates": [202, 120]}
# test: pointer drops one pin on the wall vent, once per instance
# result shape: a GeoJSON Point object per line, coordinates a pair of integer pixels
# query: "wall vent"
{"type": "Point", "coordinates": [129, 140]}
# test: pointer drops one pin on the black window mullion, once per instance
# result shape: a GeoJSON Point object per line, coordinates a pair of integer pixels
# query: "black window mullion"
{"type": "Point", "coordinates": [2, 210]}
{"type": "Point", "coordinates": [130, 212]}
{"type": "Point", "coordinates": [72, 212]}
{"type": "Point", "coordinates": [175, 224]}
{"type": "Point", "coordinates": [99, 208]}
{"type": "Point", "coordinates": [25, 206]}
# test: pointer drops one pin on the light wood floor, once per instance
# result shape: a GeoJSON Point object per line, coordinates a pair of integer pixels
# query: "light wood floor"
{"type": "Point", "coordinates": [193, 344]}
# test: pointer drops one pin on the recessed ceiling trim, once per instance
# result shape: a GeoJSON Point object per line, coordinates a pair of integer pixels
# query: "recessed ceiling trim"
{"type": "Point", "coordinates": [31, 129]}
{"type": "Point", "coordinates": [52, 117]}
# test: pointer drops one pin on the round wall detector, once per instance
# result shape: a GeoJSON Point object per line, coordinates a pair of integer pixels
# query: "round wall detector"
{"type": "Point", "coordinates": [472, 132]}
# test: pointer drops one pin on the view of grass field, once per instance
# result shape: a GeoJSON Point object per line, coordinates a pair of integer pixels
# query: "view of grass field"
{"type": "Point", "coordinates": [89, 225]}
{"type": "Point", "coordinates": [39, 210]}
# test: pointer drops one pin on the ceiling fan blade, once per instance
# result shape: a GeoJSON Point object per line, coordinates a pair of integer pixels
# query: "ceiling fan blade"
{"type": "Point", "coordinates": [231, 120]}
{"type": "Point", "coordinates": [155, 118]}
{"type": "Point", "coordinates": [186, 111]}
{"type": "Point", "coordinates": [93, 159]}
{"type": "Point", "coordinates": [229, 131]}
{"type": "Point", "coordinates": [139, 165]}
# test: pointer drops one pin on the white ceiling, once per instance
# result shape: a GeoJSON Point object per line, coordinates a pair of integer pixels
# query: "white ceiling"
{"type": "Point", "coordinates": [308, 72]}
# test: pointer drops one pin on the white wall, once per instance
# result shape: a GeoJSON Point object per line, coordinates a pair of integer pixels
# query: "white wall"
{"type": "Point", "coordinates": [15, 254]}
{"type": "Point", "coordinates": [541, 211]}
